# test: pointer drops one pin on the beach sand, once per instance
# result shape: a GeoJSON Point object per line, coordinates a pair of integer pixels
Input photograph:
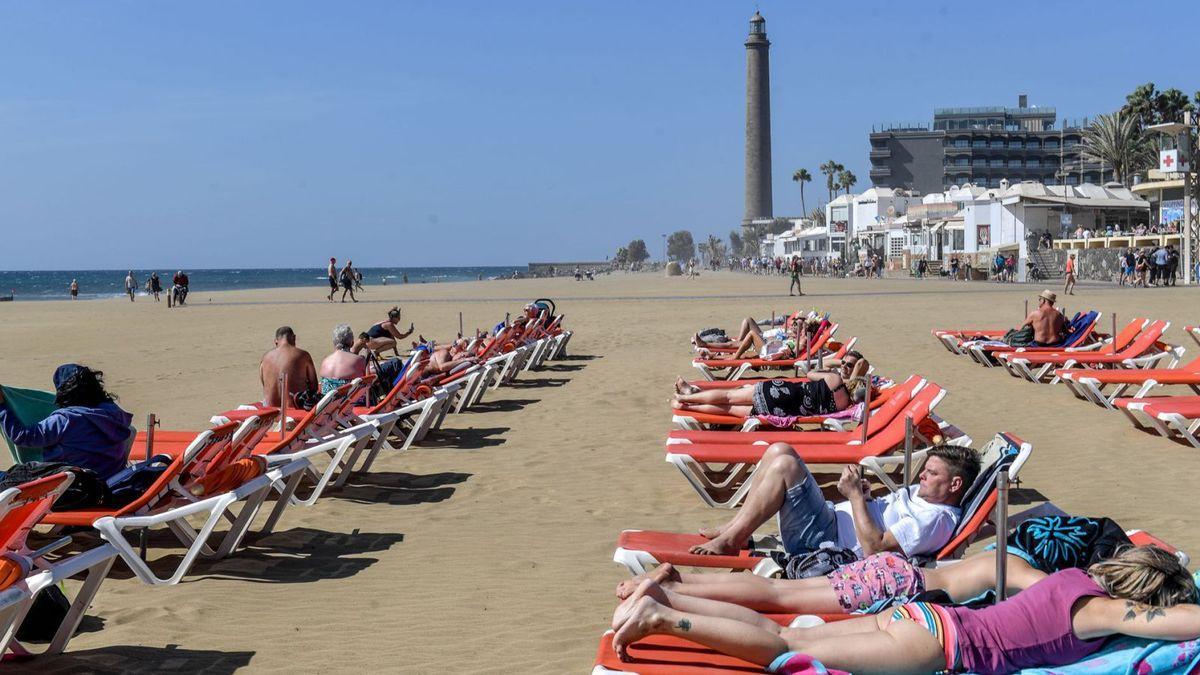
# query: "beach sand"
{"type": "Point", "coordinates": [489, 549]}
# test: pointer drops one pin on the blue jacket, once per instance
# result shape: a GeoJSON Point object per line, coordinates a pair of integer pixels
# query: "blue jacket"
{"type": "Point", "coordinates": [93, 438]}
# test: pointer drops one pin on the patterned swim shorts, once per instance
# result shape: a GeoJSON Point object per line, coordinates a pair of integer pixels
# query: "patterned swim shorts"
{"type": "Point", "coordinates": [882, 576]}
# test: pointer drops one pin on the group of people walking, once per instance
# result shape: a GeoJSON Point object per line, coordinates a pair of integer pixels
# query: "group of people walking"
{"type": "Point", "coordinates": [1156, 266]}
{"type": "Point", "coordinates": [347, 278]}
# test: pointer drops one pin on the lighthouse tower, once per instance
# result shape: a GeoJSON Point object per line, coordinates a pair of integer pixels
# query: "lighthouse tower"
{"type": "Point", "coordinates": [758, 122]}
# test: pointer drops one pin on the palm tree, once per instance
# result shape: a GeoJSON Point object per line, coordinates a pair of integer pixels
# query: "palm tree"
{"type": "Point", "coordinates": [1117, 139]}
{"type": "Point", "coordinates": [1170, 106]}
{"type": "Point", "coordinates": [802, 176]}
{"type": "Point", "coordinates": [830, 170]}
{"type": "Point", "coordinates": [1140, 104]}
{"type": "Point", "coordinates": [847, 179]}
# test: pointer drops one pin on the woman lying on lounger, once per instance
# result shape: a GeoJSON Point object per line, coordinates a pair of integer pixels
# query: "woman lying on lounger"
{"type": "Point", "coordinates": [1059, 619]}
{"type": "Point", "coordinates": [715, 337]}
{"type": "Point", "coordinates": [1037, 547]}
{"type": "Point", "coordinates": [822, 393]}
{"type": "Point", "coordinates": [774, 344]}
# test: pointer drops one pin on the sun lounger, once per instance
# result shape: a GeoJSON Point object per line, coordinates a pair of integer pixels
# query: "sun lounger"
{"type": "Point", "coordinates": [736, 368]}
{"type": "Point", "coordinates": [640, 550]}
{"type": "Point", "coordinates": [669, 655]}
{"type": "Point", "coordinates": [1144, 351]}
{"type": "Point", "coordinates": [1168, 415]}
{"type": "Point", "coordinates": [1081, 336]}
{"type": "Point", "coordinates": [722, 474]}
{"type": "Point", "coordinates": [1090, 384]}
{"type": "Point", "coordinates": [22, 508]}
{"type": "Point", "coordinates": [690, 420]}
{"type": "Point", "coordinates": [960, 341]}
{"type": "Point", "coordinates": [900, 396]}
{"type": "Point", "coordinates": [175, 496]}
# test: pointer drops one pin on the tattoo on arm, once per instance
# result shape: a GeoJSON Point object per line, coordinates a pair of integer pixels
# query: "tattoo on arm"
{"type": "Point", "coordinates": [1132, 608]}
{"type": "Point", "coordinates": [684, 625]}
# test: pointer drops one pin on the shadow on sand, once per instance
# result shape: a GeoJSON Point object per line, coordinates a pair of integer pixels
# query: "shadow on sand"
{"type": "Point", "coordinates": [398, 488]}
{"type": "Point", "coordinates": [471, 438]}
{"type": "Point", "coordinates": [130, 659]}
{"type": "Point", "coordinates": [538, 384]}
{"type": "Point", "coordinates": [502, 405]}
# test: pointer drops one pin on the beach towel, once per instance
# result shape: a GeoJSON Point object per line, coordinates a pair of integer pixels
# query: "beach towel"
{"type": "Point", "coordinates": [30, 407]}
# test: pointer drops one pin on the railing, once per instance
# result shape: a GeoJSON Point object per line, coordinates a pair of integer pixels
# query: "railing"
{"type": "Point", "coordinates": [996, 110]}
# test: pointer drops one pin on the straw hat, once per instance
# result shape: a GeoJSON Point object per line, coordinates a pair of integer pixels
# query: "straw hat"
{"type": "Point", "coordinates": [1048, 296]}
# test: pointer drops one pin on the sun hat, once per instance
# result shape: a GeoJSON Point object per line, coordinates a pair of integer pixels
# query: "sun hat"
{"type": "Point", "coordinates": [1048, 296]}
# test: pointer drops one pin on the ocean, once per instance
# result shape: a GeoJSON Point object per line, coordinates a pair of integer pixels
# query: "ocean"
{"type": "Point", "coordinates": [53, 285]}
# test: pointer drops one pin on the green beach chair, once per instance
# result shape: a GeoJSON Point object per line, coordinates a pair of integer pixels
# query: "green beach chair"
{"type": "Point", "coordinates": [30, 406]}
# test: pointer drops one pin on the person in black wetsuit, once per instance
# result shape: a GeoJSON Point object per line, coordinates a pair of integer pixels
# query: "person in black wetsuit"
{"type": "Point", "coordinates": [385, 335]}
{"type": "Point", "coordinates": [821, 393]}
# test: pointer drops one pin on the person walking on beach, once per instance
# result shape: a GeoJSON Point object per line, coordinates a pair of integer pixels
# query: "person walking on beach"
{"type": "Point", "coordinates": [1069, 288]}
{"type": "Point", "coordinates": [794, 268]}
{"type": "Point", "coordinates": [347, 279]}
{"type": "Point", "coordinates": [1172, 264]}
{"type": "Point", "coordinates": [155, 285]}
{"type": "Point", "coordinates": [333, 277]}
{"type": "Point", "coordinates": [130, 285]}
{"type": "Point", "coordinates": [74, 289]}
{"type": "Point", "coordinates": [358, 280]}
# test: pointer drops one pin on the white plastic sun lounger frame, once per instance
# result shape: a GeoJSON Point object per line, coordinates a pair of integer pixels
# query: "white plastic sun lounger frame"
{"type": "Point", "coordinates": [982, 354]}
{"type": "Point", "coordinates": [1089, 389]}
{"type": "Point", "coordinates": [1168, 425]}
{"type": "Point", "coordinates": [1021, 368]}
{"type": "Point", "coordinates": [16, 600]}
{"type": "Point", "coordinates": [738, 372]}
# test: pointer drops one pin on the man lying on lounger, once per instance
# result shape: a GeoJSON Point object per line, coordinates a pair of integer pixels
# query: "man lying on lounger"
{"type": "Point", "coordinates": [915, 522]}
{"type": "Point", "coordinates": [823, 392]}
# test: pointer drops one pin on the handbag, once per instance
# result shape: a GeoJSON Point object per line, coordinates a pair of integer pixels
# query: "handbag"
{"type": "Point", "coordinates": [817, 563]}
{"type": "Point", "coordinates": [87, 491]}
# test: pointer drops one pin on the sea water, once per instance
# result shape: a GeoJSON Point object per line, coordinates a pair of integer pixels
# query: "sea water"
{"type": "Point", "coordinates": [54, 285]}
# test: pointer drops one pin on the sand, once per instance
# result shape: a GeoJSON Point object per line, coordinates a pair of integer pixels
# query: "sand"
{"type": "Point", "coordinates": [489, 549]}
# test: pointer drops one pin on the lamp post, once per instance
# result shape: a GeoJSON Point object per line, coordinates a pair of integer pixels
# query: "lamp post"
{"type": "Point", "coordinates": [1181, 133]}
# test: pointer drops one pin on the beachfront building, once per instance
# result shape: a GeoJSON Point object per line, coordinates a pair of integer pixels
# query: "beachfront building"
{"type": "Point", "coordinates": [807, 240]}
{"type": "Point", "coordinates": [980, 146]}
{"type": "Point", "coordinates": [876, 222]}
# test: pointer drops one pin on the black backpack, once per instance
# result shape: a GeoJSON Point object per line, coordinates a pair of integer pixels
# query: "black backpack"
{"type": "Point", "coordinates": [87, 491]}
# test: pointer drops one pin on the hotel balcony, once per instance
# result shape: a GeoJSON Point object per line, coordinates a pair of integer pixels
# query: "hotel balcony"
{"type": "Point", "coordinates": [881, 171]}
{"type": "Point", "coordinates": [880, 153]}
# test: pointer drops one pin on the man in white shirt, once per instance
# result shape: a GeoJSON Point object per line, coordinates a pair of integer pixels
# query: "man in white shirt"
{"type": "Point", "coordinates": [919, 521]}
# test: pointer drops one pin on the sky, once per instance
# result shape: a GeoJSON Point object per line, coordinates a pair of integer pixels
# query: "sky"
{"type": "Point", "coordinates": [277, 134]}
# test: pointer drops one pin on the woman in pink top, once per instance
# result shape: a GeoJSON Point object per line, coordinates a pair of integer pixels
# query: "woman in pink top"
{"type": "Point", "coordinates": [1143, 592]}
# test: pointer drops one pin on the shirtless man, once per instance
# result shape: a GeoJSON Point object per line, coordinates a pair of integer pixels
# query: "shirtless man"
{"type": "Point", "coordinates": [286, 359]}
{"type": "Point", "coordinates": [1048, 323]}
{"type": "Point", "coordinates": [332, 271]}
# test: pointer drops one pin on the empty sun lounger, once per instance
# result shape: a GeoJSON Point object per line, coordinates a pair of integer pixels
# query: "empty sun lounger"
{"type": "Point", "coordinates": [1144, 351]}
{"type": "Point", "coordinates": [1091, 384]}
{"type": "Point", "coordinates": [640, 550]}
{"type": "Point", "coordinates": [22, 508]}
{"type": "Point", "coordinates": [1170, 416]}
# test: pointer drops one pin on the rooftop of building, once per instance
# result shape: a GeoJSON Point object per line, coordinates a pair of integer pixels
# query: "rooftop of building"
{"type": "Point", "coordinates": [1031, 111]}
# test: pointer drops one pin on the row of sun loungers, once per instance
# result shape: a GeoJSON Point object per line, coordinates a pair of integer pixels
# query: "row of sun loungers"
{"type": "Point", "coordinates": [218, 481]}
{"type": "Point", "coordinates": [1114, 372]}
{"type": "Point", "coordinates": [718, 454]}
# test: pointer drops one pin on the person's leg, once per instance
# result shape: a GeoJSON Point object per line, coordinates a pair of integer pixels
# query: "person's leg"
{"type": "Point", "coordinates": [702, 606]}
{"type": "Point", "coordinates": [800, 596]}
{"type": "Point", "coordinates": [729, 636]}
{"type": "Point", "coordinates": [747, 344]}
{"type": "Point", "coordinates": [683, 387]}
{"type": "Point", "coordinates": [724, 397]}
{"type": "Point", "coordinates": [382, 344]}
{"type": "Point", "coordinates": [781, 476]}
{"type": "Point", "coordinates": [872, 644]}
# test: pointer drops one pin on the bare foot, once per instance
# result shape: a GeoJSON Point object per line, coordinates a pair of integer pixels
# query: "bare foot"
{"type": "Point", "coordinates": [639, 620]}
{"type": "Point", "coordinates": [665, 573]}
{"type": "Point", "coordinates": [682, 387]}
{"type": "Point", "coordinates": [718, 546]}
{"type": "Point", "coordinates": [711, 532]}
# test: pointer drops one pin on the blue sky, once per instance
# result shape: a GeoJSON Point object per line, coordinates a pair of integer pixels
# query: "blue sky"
{"type": "Point", "coordinates": [273, 134]}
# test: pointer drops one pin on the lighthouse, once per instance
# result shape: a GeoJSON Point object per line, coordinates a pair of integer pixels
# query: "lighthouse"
{"type": "Point", "coordinates": [758, 122]}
